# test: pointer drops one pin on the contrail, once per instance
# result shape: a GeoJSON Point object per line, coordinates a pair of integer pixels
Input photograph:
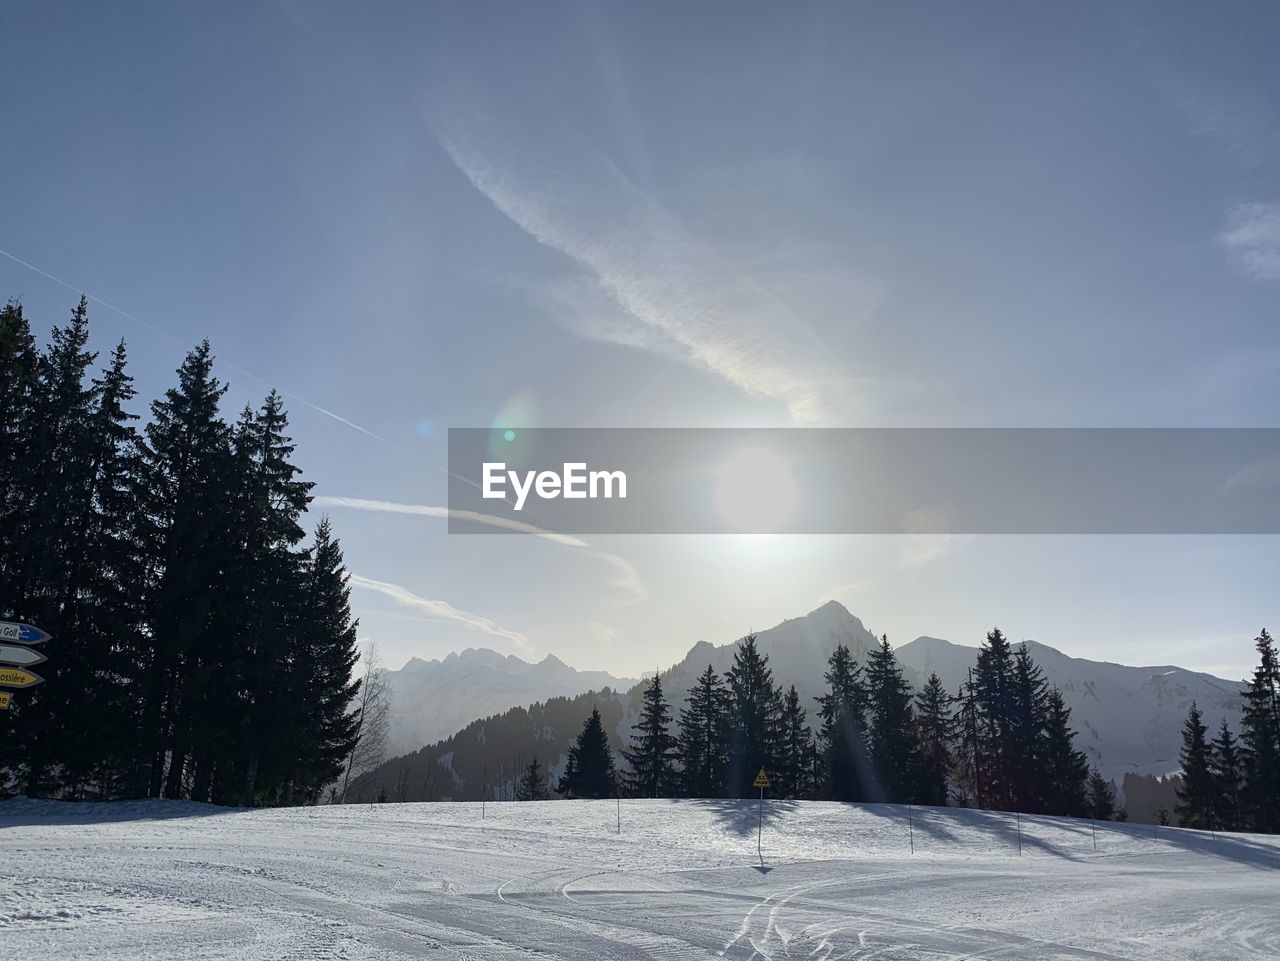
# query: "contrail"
{"type": "Point", "coordinates": [164, 333]}
{"type": "Point", "coordinates": [625, 576]}
{"type": "Point", "coordinates": [443, 610]}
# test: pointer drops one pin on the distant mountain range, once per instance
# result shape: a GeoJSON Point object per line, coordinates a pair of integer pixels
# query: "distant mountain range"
{"type": "Point", "coordinates": [1128, 719]}
{"type": "Point", "coordinates": [432, 699]}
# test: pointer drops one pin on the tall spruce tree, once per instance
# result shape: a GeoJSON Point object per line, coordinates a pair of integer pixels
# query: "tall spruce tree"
{"type": "Point", "coordinates": [756, 715]}
{"type": "Point", "coordinates": [589, 772]}
{"type": "Point", "coordinates": [1026, 745]}
{"type": "Point", "coordinates": [324, 655]}
{"type": "Point", "coordinates": [1225, 767]}
{"type": "Point", "coordinates": [704, 737]}
{"type": "Point", "coordinates": [1065, 770]}
{"type": "Point", "coordinates": [934, 727]}
{"type": "Point", "coordinates": [992, 690]}
{"type": "Point", "coordinates": [891, 734]}
{"type": "Point", "coordinates": [842, 711]}
{"type": "Point", "coordinates": [189, 471]}
{"type": "Point", "coordinates": [1196, 794]}
{"type": "Point", "coordinates": [1260, 739]}
{"type": "Point", "coordinates": [796, 751]}
{"type": "Point", "coordinates": [653, 748]}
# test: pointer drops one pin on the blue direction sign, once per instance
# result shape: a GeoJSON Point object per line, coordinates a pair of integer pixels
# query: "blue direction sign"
{"type": "Point", "coordinates": [14, 633]}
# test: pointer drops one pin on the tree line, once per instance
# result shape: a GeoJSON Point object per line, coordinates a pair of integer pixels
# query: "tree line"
{"type": "Point", "coordinates": [1230, 783]}
{"type": "Point", "coordinates": [1003, 741]}
{"type": "Point", "coordinates": [200, 648]}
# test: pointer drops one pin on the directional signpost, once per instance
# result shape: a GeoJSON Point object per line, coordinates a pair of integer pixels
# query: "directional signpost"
{"type": "Point", "coordinates": [16, 654]}
{"type": "Point", "coordinates": [762, 782]}
{"type": "Point", "coordinates": [20, 656]}
{"type": "Point", "coordinates": [17, 677]}
{"type": "Point", "coordinates": [14, 633]}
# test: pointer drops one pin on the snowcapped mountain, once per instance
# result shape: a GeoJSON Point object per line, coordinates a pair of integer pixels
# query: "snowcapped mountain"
{"type": "Point", "coordinates": [432, 699]}
{"type": "Point", "coordinates": [1128, 719]}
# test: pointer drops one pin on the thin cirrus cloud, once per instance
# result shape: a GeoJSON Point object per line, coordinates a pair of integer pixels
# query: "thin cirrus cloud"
{"type": "Point", "coordinates": [624, 575]}
{"type": "Point", "coordinates": [443, 610]}
{"type": "Point", "coordinates": [1251, 240]}
{"type": "Point", "coordinates": [572, 198]}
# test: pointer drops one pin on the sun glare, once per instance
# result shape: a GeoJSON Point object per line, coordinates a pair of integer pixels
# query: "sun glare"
{"type": "Point", "coordinates": [755, 492]}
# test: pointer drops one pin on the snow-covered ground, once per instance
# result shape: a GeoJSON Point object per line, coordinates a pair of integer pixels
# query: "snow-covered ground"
{"type": "Point", "coordinates": [173, 881]}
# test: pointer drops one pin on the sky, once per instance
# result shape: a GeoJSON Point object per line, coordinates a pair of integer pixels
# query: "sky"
{"type": "Point", "coordinates": [410, 217]}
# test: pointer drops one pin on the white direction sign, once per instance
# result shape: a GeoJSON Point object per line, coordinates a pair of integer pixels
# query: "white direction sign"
{"type": "Point", "coordinates": [20, 656]}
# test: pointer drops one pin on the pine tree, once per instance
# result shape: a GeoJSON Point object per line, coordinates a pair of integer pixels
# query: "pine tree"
{"type": "Point", "coordinates": [324, 654]}
{"type": "Point", "coordinates": [934, 727]}
{"type": "Point", "coordinates": [992, 691]}
{"type": "Point", "coordinates": [843, 733]}
{"type": "Point", "coordinates": [891, 734]}
{"type": "Point", "coordinates": [1065, 770]}
{"type": "Point", "coordinates": [1225, 767]}
{"type": "Point", "coordinates": [189, 471]}
{"type": "Point", "coordinates": [1102, 797]}
{"type": "Point", "coordinates": [1195, 796]}
{"type": "Point", "coordinates": [589, 772]}
{"type": "Point", "coordinates": [533, 783]}
{"type": "Point", "coordinates": [18, 368]}
{"type": "Point", "coordinates": [796, 752]}
{"type": "Point", "coordinates": [704, 737]}
{"type": "Point", "coordinates": [756, 714]}
{"type": "Point", "coordinates": [653, 748]}
{"type": "Point", "coordinates": [1026, 745]}
{"type": "Point", "coordinates": [1260, 738]}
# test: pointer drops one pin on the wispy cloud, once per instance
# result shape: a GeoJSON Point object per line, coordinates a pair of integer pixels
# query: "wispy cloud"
{"type": "Point", "coordinates": [443, 610]}
{"type": "Point", "coordinates": [1251, 239]}
{"type": "Point", "coordinates": [574, 199]}
{"type": "Point", "coordinates": [624, 575]}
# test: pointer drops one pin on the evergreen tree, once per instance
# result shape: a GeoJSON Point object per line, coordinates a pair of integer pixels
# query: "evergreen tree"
{"type": "Point", "coordinates": [324, 654]}
{"type": "Point", "coordinates": [189, 470]}
{"type": "Point", "coordinates": [1195, 796]}
{"type": "Point", "coordinates": [796, 752]}
{"type": "Point", "coordinates": [755, 718]}
{"type": "Point", "coordinates": [18, 368]}
{"type": "Point", "coordinates": [533, 783]}
{"type": "Point", "coordinates": [842, 711]}
{"type": "Point", "coordinates": [992, 690]}
{"type": "Point", "coordinates": [653, 749]}
{"type": "Point", "coordinates": [1102, 797]}
{"type": "Point", "coordinates": [1260, 738]}
{"type": "Point", "coordinates": [934, 727]}
{"type": "Point", "coordinates": [1065, 770]}
{"type": "Point", "coordinates": [589, 772]}
{"type": "Point", "coordinates": [704, 737]}
{"type": "Point", "coordinates": [891, 735]}
{"type": "Point", "coordinates": [1225, 767]}
{"type": "Point", "coordinates": [1026, 742]}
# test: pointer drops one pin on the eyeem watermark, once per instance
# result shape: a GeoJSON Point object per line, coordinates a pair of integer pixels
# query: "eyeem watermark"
{"type": "Point", "coordinates": [574, 482]}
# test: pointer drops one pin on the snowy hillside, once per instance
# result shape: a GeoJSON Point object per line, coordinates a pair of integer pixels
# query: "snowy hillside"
{"type": "Point", "coordinates": [154, 880]}
{"type": "Point", "coordinates": [433, 699]}
{"type": "Point", "coordinates": [1129, 719]}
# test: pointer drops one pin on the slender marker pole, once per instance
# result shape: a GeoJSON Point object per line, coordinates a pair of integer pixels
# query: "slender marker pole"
{"type": "Point", "coordinates": [484, 792]}
{"type": "Point", "coordinates": [617, 794]}
{"type": "Point", "coordinates": [1093, 826]}
{"type": "Point", "coordinates": [911, 831]}
{"type": "Point", "coordinates": [1018, 816]}
{"type": "Point", "coordinates": [760, 827]}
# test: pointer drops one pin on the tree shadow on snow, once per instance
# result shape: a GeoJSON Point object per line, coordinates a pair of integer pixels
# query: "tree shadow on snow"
{"type": "Point", "coordinates": [27, 812]}
{"type": "Point", "coordinates": [743, 816]}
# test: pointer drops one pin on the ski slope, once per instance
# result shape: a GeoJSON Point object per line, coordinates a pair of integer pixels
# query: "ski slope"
{"type": "Point", "coordinates": [556, 880]}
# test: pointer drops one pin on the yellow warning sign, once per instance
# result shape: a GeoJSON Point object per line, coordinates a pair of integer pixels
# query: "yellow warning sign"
{"type": "Point", "coordinates": [5, 698]}
{"type": "Point", "coordinates": [762, 779]}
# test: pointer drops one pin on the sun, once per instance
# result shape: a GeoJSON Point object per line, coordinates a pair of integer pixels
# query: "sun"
{"type": "Point", "coordinates": [755, 492]}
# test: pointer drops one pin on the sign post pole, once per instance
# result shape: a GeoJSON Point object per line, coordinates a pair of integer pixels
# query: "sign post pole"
{"type": "Point", "coordinates": [762, 782]}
